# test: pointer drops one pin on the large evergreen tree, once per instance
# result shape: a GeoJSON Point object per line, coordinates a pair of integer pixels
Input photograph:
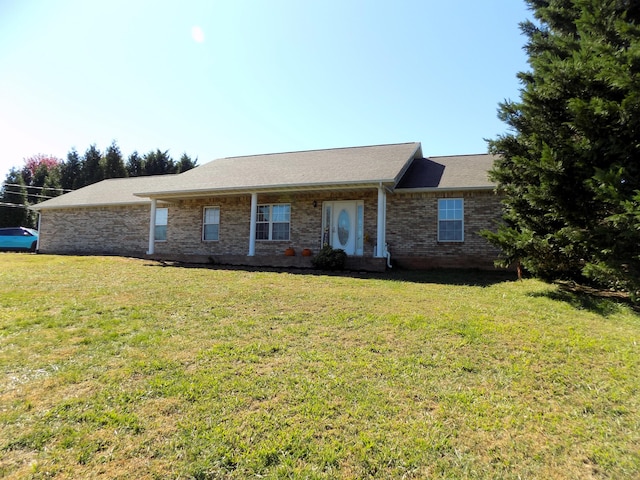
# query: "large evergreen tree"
{"type": "Point", "coordinates": [135, 165]}
{"type": "Point", "coordinates": [13, 200]}
{"type": "Point", "coordinates": [45, 184]}
{"type": "Point", "coordinates": [71, 171]}
{"type": "Point", "coordinates": [570, 166]}
{"type": "Point", "coordinates": [113, 163]}
{"type": "Point", "coordinates": [158, 163]}
{"type": "Point", "coordinates": [92, 166]}
{"type": "Point", "coordinates": [185, 163]}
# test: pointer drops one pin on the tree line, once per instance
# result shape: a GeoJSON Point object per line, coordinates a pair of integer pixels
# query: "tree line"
{"type": "Point", "coordinates": [44, 176]}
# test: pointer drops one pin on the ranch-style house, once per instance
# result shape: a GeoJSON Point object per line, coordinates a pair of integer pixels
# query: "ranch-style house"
{"type": "Point", "coordinates": [383, 205]}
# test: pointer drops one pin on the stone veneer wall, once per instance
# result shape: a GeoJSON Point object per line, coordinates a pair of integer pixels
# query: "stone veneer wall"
{"type": "Point", "coordinates": [412, 230]}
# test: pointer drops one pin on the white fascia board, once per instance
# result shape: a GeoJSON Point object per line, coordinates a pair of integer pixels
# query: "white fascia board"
{"type": "Point", "coordinates": [93, 205]}
{"type": "Point", "coordinates": [444, 189]}
{"type": "Point", "coordinates": [306, 187]}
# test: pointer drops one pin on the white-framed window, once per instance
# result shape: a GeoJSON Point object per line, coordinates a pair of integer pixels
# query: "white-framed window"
{"type": "Point", "coordinates": [211, 224]}
{"type": "Point", "coordinates": [450, 220]}
{"type": "Point", "coordinates": [162, 216]}
{"type": "Point", "coordinates": [273, 222]}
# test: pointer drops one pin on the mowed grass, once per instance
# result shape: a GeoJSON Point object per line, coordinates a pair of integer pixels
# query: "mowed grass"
{"type": "Point", "coordinates": [124, 368]}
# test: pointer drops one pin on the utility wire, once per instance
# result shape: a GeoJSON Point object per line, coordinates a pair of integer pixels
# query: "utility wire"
{"type": "Point", "coordinates": [9, 192]}
{"type": "Point", "coordinates": [38, 188]}
{"type": "Point", "coordinates": [13, 205]}
{"type": "Point", "coordinates": [31, 195]}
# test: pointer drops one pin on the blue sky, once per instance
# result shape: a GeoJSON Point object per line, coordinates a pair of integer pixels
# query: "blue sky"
{"type": "Point", "coordinates": [216, 78]}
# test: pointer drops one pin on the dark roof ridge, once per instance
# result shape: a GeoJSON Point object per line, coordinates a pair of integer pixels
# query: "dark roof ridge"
{"type": "Point", "coordinates": [318, 150]}
{"type": "Point", "coordinates": [135, 177]}
{"type": "Point", "coordinates": [463, 155]}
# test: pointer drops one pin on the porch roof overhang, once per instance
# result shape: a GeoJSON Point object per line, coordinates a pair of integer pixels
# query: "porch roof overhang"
{"type": "Point", "coordinates": [169, 196]}
{"type": "Point", "coordinates": [485, 188]}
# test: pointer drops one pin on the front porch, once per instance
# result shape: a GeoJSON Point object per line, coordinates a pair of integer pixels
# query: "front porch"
{"type": "Point", "coordinates": [255, 230]}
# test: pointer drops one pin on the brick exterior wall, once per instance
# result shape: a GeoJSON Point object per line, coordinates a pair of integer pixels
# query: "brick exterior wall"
{"type": "Point", "coordinates": [411, 228]}
{"type": "Point", "coordinates": [184, 229]}
{"type": "Point", "coordinates": [122, 230]}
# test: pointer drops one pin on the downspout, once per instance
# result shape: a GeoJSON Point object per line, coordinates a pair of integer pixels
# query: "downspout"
{"type": "Point", "coordinates": [38, 240]}
{"type": "Point", "coordinates": [386, 247]}
{"type": "Point", "coordinates": [252, 226]}
{"type": "Point", "coordinates": [152, 227]}
{"type": "Point", "coordinates": [382, 206]}
{"type": "Point", "coordinates": [387, 253]}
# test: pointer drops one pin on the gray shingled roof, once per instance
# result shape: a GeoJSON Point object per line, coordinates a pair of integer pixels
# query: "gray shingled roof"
{"type": "Point", "coordinates": [333, 168]}
{"type": "Point", "coordinates": [450, 172]}
{"type": "Point", "coordinates": [399, 165]}
{"type": "Point", "coordinates": [115, 191]}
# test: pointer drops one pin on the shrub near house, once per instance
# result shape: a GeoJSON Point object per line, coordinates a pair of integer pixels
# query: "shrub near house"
{"type": "Point", "coordinates": [329, 258]}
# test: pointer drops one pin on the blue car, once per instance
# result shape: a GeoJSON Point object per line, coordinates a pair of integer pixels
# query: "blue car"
{"type": "Point", "coordinates": [19, 239]}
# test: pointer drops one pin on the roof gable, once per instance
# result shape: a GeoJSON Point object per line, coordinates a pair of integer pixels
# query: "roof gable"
{"type": "Point", "coordinates": [450, 172]}
{"type": "Point", "coordinates": [295, 170]}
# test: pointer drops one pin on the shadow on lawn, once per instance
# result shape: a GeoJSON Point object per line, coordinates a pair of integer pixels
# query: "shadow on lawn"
{"type": "Point", "coordinates": [461, 277]}
{"type": "Point", "coordinates": [601, 302]}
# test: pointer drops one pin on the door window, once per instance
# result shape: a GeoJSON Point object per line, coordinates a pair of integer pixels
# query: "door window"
{"type": "Point", "coordinates": [344, 228]}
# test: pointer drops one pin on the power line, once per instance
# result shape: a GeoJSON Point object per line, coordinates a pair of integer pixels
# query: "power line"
{"type": "Point", "coordinates": [38, 188]}
{"type": "Point", "coordinates": [27, 194]}
{"type": "Point", "coordinates": [35, 195]}
{"type": "Point", "coordinates": [13, 205]}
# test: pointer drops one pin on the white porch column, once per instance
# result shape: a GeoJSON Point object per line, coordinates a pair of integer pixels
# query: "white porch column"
{"type": "Point", "coordinates": [381, 251]}
{"type": "Point", "coordinates": [252, 226]}
{"type": "Point", "coordinates": [152, 227]}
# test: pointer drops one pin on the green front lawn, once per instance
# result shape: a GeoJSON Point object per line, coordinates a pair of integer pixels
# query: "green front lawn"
{"type": "Point", "coordinates": [125, 368]}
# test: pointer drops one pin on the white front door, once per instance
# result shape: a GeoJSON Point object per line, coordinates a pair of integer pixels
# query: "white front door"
{"type": "Point", "coordinates": [343, 220]}
{"type": "Point", "coordinates": [344, 227]}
